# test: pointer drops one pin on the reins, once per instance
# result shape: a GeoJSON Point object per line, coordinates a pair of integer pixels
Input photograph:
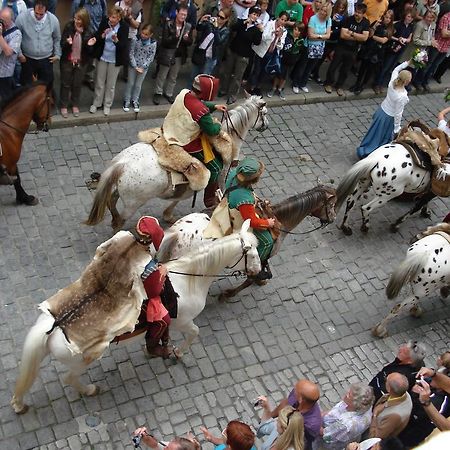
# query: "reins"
{"type": "Point", "coordinates": [321, 226]}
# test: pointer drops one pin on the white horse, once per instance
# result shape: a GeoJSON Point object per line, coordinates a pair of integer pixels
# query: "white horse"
{"type": "Point", "coordinates": [191, 277]}
{"type": "Point", "coordinates": [135, 176]}
{"type": "Point", "coordinates": [426, 269]}
{"type": "Point", "coordinates": [390, 171]}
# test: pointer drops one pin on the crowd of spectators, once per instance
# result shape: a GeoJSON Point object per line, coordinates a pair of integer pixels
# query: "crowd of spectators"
{"type": "Point", "coordinates": [403, 406]}
{"type": "Point", "coordinates": [256, 45]}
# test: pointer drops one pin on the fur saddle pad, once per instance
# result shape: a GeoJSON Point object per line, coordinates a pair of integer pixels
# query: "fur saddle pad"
{"type": "Point", "coordinates": [420, 158]}
{"type": "Point", "coordinates": [105, 301]}
{"type": "Point", "coordinates": [440, 180]}
{"type": "Point", "coordinates": [444, 234]}
{"type": "Point", "coordinates": [175, 158]}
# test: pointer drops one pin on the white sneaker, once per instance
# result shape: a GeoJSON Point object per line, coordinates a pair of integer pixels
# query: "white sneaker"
{"type": "Point", "coordinates": [136, 107]}
{"type": "Point", "coordinates": [106, 110]}
{"type": "Point", "coordinates": [93, 109]}
{"type": "Point", "coordinates": [304, 89]}
{"type": "Point", "coordinates": [126, 106]}
{"type": "Point", "coordinates": [270, 93]}
{"type": "Point", "coordinates": [296, 90]}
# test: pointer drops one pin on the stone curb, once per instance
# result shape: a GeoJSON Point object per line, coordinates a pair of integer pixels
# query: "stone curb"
{"type": "Point", "coordinates": [154, 112]}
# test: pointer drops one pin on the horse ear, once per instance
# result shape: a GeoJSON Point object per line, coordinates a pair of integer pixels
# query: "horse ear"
{"type": "Point", "coordinates": [247, 94]}
{"type": "Point", "coordinates": [245, 226]}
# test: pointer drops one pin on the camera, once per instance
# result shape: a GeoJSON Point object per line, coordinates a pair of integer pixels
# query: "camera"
{"type": "Point", "coordinates": [257, 403]}
{"type": "Point", "coordinates": [213, 20]}
{"type": "Point", "coordinates": [136, 440]}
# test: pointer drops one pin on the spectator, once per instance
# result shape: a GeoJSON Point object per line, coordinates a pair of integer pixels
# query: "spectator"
{"type": "Point", "coordinates": [403, 32]}
{"type": "Point", "coordinates": [111, 51]}
{"type": "Point", "coordinates": [170, 11]}
{"type": "Point", "coordinates": [375, 9]}
{"type": "Point", "coordinates": [142, 54]}
{"type": "Point", "coordinates": [293, 8]}
{"type": "Point", "coordinates": [285, 432]}
{"type": "Point", "coordinates": [264, 17]}
{"type": "Point", "coordinates": [319, 31]}
{"type": "Point", "coordinates": [338, 14]}
{"type": "Point", "coordinates": [212, 7]}
{"type": "Point", "coordinates": [443, 125]}
{"type": "Point", "coordinates": [407, 362]}
{"type": "Point", "coordinates": [247, 33]}
{"type": "Point", "coordinates": [236, 436]}
{"type": "Point", "coordinates": [372, 51]}
{"type": "Point", "coordinates": [304, 398]}
{"type": "Point", "coordinates": [41, 46]}
{"type": "Point", "coordinates": [423, 6]}
{"type": "Point", "coordinates": [354, 31]}
{"type": "Point", "coordinates": [313, 8]}
{"type": "Point", "coordinates": [440, 71]}
{"type": "Point", "coordinates": [10, 40]}
{"type": "Point", "coordinates": [172, 53]}
{"type": "Point", "coordinates": [17, 7]}
{"type": "Point", "coordinates": [132, 14]}
{"type": "Point", "coordinates": [273, 38]}
{"type": "Point", "coordinates": [242, 8]}
{"type": "Point", "coordinates": [212, 36]}
{"type": "Point", "coordinates": [178, 443]}
{"type": "Point", "coordinates": [436, 53]}
{"type": "Point", "coordinates": [423, 38]}
{"type": "Point", "coordinates": [76, 45]}
{"type": "Point", "coordinates": [347, 420]}
{"type": "Point", "coordinates": [290, 54]}
{"type": "Point", "coordinates": [391, 412]}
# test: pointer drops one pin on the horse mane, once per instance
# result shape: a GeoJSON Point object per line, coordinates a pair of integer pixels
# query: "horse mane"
{"type": "Point", "coordinates": [296, 208]}
{"type": "Point", "coordinates": [208, 259]}
{"type": "Point", "coordinates": [241, 115]}
{"type": "Point", "coordinates": [19, 92]}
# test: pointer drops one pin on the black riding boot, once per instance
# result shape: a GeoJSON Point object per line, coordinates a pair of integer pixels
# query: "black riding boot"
{"type": "Point", "coordinates": [266, 273]}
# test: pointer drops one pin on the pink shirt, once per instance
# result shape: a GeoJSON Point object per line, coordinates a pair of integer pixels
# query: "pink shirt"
{"type": "Point", "coordinates": [443, 44]}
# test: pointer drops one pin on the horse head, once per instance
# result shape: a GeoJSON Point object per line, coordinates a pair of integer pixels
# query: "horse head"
{"type": "Point", "coordinates": [262, 122]}
{"type": "Point", "coordinates": [249, 243]}
{"type": "Point", "coordinates": [326, 212]}
{"type": "Point", "coordinates": [43, 111]}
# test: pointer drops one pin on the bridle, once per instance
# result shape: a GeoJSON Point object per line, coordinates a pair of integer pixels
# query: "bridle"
{"type": "Point", "coordinates": [230, 126]}
{"type": "Point", "coordinates": [234, 274]}
{"type": "Point", "coordinates": [45, 125]}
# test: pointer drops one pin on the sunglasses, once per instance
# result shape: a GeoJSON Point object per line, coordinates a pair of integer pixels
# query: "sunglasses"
{"type": "Point", "coordinates": [222, 17]}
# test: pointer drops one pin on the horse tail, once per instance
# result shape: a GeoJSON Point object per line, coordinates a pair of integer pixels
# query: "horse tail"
{"type": "Point", "coordinates": [405, 273]}
{"type": "Point", "coordinates": [347, 185]}
{"type": "Point", "coordinates": [103, 194]}
{"type": "Point", "coordinates": [35, 349]}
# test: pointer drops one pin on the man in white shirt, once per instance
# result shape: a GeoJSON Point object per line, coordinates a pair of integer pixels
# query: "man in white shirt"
{"type": "Point", "coordinates": [442, 123]}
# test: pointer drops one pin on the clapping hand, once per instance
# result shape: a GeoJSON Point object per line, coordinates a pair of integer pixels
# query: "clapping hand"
{"type": "Point", "coordinates": [69, 40]}
{"type": "Point", "coordinates": [91, 41]}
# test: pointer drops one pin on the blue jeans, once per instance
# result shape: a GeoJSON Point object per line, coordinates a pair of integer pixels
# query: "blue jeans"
{"type": "Point", "coordinates": [390, 61]}
{"type": "Point", "coordinates": [207, 68]}
{"type": "Point", "coordinates": [134, 85]}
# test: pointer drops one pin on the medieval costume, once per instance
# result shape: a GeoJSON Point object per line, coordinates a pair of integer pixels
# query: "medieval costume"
{"type": "Point", "coordinates": [240, 195]}
{"type": "Point", "coordinates": [153, 277]}
{"type": "Point", "coordinates": [189, 120]}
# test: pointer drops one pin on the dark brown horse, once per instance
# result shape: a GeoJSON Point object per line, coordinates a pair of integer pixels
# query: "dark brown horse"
{"type": "Point", "coordinates": [29, 103]}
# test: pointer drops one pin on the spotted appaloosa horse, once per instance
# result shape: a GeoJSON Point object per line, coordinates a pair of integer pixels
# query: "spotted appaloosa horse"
{"type": "Point", "coordinates": [390, 171]}
{"type": "Point", "coordinates": [426, 269]}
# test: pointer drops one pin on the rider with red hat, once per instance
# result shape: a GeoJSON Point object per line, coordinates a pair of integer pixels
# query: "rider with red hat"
{"type": "Point", "coordinates": [154, 277]}
{"type": "Point", "coordinates": [188, 119]}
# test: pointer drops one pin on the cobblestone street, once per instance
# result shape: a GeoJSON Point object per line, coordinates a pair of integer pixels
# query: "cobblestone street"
{"type": "Point", "coordinates": [313, 319]}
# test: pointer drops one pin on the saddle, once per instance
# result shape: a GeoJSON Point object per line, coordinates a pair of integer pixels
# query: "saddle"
{"type": "Point", "coordinates": [183, 167]}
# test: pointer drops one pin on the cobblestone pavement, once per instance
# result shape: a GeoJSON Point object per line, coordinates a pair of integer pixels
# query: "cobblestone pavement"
{"type": "Point", "coordinates": [312, 320]}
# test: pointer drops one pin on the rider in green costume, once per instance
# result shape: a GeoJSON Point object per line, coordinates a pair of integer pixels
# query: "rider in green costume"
{"type": "Point", "coordinates": [239, 192]}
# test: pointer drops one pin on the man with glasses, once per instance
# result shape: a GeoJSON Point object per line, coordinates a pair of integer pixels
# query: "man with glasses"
{"type": "Point", "coordinates": [408, 361]}
{"type": "Point", "coordinates": [41, 48]}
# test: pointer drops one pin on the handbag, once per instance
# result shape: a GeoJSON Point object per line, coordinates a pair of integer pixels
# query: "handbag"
{"type": "Point", "coordinates": [273, 65]}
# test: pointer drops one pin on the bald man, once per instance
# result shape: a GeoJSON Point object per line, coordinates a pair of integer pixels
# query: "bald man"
{"type": "Point", "coordinates": [304, 398]}
{"type": "Point", "coordinates": [392, 411]}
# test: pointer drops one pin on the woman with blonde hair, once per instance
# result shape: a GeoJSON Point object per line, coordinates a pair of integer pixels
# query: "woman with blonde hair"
{"type": "Point", "coordinates": [286, 432]}
{"type": "Point", "coordinates": [388, 117]}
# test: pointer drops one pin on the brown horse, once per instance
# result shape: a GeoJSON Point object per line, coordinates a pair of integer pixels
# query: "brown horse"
{"type": "Point", "coordinates": [29, 103]}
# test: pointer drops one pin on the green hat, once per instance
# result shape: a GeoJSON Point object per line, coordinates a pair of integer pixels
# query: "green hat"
{"type": "Point", "coordinates": [249, 169]}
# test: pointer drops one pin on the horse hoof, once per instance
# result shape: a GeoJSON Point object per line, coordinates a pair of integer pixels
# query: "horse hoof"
{"type": "Point", "coordinates": [393, 228]}
{"type": "Point", "coordinates": [346, 230]}
{"type": "Point", "coordinates": [95, 176]}
{"type": "Point", "coordinates": [379, 331]}
{"type": "Point", "coordinates": [364, 229]}
{"type": "Point", "coordinates": [426, 214]}
{"type": "Point", "coordinates": [92, 390]}
{"type": "Point", "coordinates": [261, 282]}
{"type": "Point", "coordinates": [28, 200]}
{"type": "Point", "coordinates": [444, 291]}
{"type": "Point", "coordinates": [23, 410]}
{"type": "Point", "coordinates": [177, 353]}
{"type": "Point", "coordinates": [416, 311]}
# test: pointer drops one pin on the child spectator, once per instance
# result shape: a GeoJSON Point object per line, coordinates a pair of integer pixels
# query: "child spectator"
{"type": "Point", "coordinates": [142, 54]}
{"type": "Point", "coordinates": [290, 54]}
{"type": "Point", "coordinates": [76, 45]}
{"type": "Point", "coordinates": [111, 50]}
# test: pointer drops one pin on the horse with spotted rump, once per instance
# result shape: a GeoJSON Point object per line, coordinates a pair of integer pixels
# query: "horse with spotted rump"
{"type": "Point", "coordinates": [389, 171]}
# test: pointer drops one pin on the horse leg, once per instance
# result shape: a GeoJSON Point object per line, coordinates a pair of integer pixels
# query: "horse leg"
{"type": "Point", "coordinates": [73, 379]}
{"type": "Point", "coordinates": [380, 329]}
{"type": "Point", "coordinates": [191, 331]}
{"type": "Point", "coordinates": [168, 212]}
{"type": "Point", "coordinates": [420, 204]}
{"type": "Point", "coordinates": [117, 220]}
{"type": "Point", "coordinates": [415, 311]}
{"type": "Point", "coordinates": [224, 296]}
{"type": "Point", "coordinates": [379, 200]}
{"type": "Point", "coordinates": [22, 198]}
{"type": "Point", "coordinates": [361, 187]}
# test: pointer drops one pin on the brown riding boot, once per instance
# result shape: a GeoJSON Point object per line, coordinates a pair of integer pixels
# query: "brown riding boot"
{"type": "Point", "coordinates": [158, 350]}
{"type": "Point", "coordinates": [209, 197]}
